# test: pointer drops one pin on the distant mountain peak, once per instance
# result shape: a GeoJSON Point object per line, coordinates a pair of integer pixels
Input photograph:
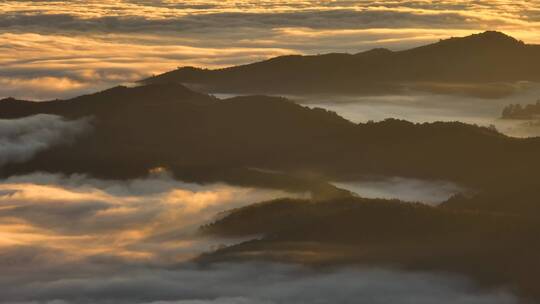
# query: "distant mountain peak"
{"type": "Point", "coordinates": [159, 89]}
{"type": "Point", "coordinates": [377, 51]}
{"type": "Point", "coordinates": [8, 99]}
{"type": "Point", "coordinates": [487, 57]}
{"type": "Point", "coordinates": [487, 38]}
{"type": "Point", "coordinates": [494, 36]}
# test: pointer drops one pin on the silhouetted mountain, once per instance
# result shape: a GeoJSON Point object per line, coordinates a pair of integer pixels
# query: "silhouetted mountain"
{"type": "Point", "coordinates": [201, 137]}
{"type": "Point", "coordinates": [110, 102]}
{"type": "Point", "coordinates": [489, 57]}
{"type": "Point", "coordinates": [494, 248]}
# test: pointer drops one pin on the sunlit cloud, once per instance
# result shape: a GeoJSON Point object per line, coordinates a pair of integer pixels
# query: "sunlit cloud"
{"type": "Point", "coordinates": [47, 66]}
{"type": "Point", "coordinates": [405, 189]}
{"type": "Point", "coordinates": [64, 48]}
{"type": "Point", "coordinates": [144, 218]}
{"type": "Point", "coordinates": [75, 239]}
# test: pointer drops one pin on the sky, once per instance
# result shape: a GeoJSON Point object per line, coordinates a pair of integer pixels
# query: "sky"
{"type": "Point", "coordinates": [57, 49]}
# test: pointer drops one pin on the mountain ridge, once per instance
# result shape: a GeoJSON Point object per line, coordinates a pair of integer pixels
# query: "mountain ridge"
{"type": "Point", "coordinates": [152, 126]}
{"type": "Point", "coordinates": [109, 100]}
{"type": "Point", "coordinates": [484, 58]}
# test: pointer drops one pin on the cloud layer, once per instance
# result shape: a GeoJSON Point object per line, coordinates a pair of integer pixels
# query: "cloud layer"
{"type": "Point", "coordinates": [258, 284]}
{"type": "Point", "coordinates": [422, 107]}
{"type": "Point", "coordinates": [64, 48]}
{"type": "Point", "coordinates": [405, 189]}
{"type": "Point", "coordinates": [21, 139]}
{"type": "Point", "coordinates": [153, 217]}
{"type": "Point", "coordinates": [74, 239]}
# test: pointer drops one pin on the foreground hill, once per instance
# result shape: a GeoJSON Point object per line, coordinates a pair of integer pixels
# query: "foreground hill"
{"type": "Point", "coordinates": [465, 65]}
{"type": "Point", "coordinates": [494, 248]}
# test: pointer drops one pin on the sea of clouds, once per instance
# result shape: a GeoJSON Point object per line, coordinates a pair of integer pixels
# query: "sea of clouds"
{"type": "Point", "coordinates": [56, 49]}
{"type": "Point", "coordinates": [76, 239]}
{"type": "Point", "coordinates": [21, 139]}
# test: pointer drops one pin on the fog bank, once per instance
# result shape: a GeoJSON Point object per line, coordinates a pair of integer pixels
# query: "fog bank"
{"type": "Point", "coordinates": [424, 107]}
{"type": "Point", "coordinates": [405, 189]}
{"type": "Point", "coordinates": [75, 239]}
{"type": "Point", "coordinates": [256, 283]}
{"type": "Point", "coordinates": [21, 139]}
{"type": "Point", "coordinates": [151, 218]}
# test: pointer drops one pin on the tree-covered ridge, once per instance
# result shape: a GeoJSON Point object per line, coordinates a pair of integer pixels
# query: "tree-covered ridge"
{"type": "Point", "coordinates": [518, 111]}
{"type": "Point", "coordinates": [202, 137]}
{"type": "Point", "coordinates": [495, 248]}
{"type": "Point", "coordinates": [476, 65]}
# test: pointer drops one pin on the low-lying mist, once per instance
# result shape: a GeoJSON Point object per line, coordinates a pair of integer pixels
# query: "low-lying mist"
{"type": "Point", "coordinates": [252, 283]}
{"type": "Point", "coordinates": [21, 139]}
{"type": "Point", "coordinates": [405, 189]}
{"type": "Point", "coordinates": [151, 218]}
{"type": "Point", "coordinates": [425, 107]}
{"type": "Point", "coordinates": [75, 239]}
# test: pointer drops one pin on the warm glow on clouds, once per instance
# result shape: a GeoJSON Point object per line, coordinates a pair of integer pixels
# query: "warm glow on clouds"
{"type": "Point", "coordinates": [65, 48]}
{"type": "Point", "coordinates": [71, 240]}
{"type": "Point", "coordinates": [78, 240]}
{"type": "Point", "coordinates": [140, 218]}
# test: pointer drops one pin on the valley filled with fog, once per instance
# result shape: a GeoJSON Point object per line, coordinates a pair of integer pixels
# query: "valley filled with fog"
{"type": "Point", "coordinates": [420, 107]}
